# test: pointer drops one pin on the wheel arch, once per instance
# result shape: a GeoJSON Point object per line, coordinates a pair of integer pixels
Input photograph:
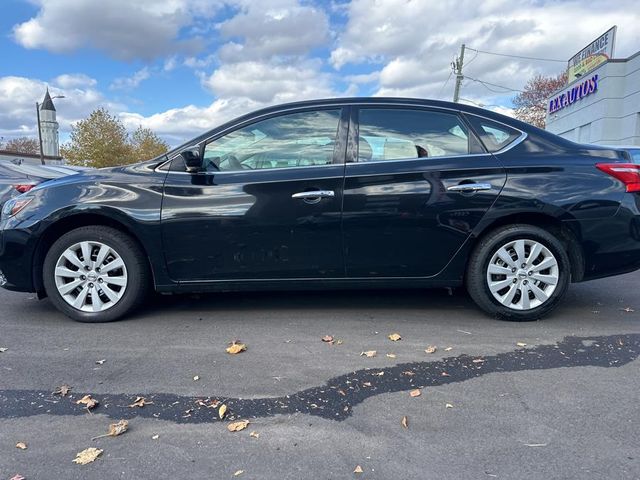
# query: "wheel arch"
{"type": "Point", "coordinates": [567, 232]}
{"type": "Point", "coordinates": [71, 222]}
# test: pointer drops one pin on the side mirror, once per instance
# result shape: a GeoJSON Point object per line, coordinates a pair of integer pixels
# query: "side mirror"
{"type": "Point", "coordinates": [191, 160]}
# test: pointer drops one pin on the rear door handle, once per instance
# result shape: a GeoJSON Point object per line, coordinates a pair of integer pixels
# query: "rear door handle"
{"type": "Point", "coordinates": [469, 187]}
{"type": "Point", "coordinates": [314, 194]}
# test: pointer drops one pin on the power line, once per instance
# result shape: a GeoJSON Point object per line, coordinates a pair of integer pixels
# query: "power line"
{"type": "Point", "coordinates": [445, 83]}
{"type": "Point", "coordinates": [518, 56]}
{"type": "Point", "coordinates": [485, 84]}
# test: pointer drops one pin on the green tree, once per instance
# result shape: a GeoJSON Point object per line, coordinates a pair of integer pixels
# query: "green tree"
{"type": "Point", "coordinates": [100, 140]}
{"type": "Point", "coordinates": [531, 103]}
{"type": "Point", "coordinates": [145, 144]}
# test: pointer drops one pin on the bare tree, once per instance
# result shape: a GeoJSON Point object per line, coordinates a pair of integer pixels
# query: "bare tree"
{"type": "Point", "coordinates": [531, 103]}
{"type": "Point", "coordinates": [23, 145]}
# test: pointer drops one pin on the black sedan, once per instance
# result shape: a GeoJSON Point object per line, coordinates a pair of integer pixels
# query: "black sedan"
{"type": "Point", "coordinates": [339, 193]}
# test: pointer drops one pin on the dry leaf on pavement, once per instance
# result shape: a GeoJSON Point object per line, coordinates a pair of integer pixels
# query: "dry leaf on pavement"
{"type": "Point", "coordinates": [100, 362]}
{"type": "Point", "coordinates": [254, 434]}
{"type": "Point", "coordinates": [3, 349]}
{"type": "Point", "coordinates": [327, 339]}
{"type": "Point", "coordinates": [237, 426]}
{"type": "Point", "coordinates": [17, 476]}
{"type": "Point", "coordinates": [222, 410]}
{"type": "Point", "coordinates": [369, 353]}
{"type": "Point", "coordinates": [394, 337]}
{"type": "Point", "coordinates": [448, 405]}
{"type": "Point", "coordinates": [140, 402]}
{"type": "Point", "coordinates": [115, 429]}
{"type": "Point", "coordinates": [21, 445]}
{"type": "Point", "coordinates": [196, 378]}
{"type": "Point", "coordinates": [448, 349]}
{"type": "Point", "coordinates": [237, 473]}
{"type": "Point", "coordinates": [87, 455]}
{"type": "Point", "coordinates": [521, 344]}
{"type": "Point", "coordinates": [405, 422]}
{"type": "Point", "coordinates": [415, 393]}
{"type": "Point", "coordinates": [155, 437]}
{"type": "Point", "coordinates": [391, 355]}
{"type": "Point", "coordinates": [358, 469]}
{"type": "Point", "coordinates": [88, 402]}
{"type": "Point", "coordinates": [431, 349]}
{"type": "Point", "coordinates": [627, 309]}
{"type": "Point", "coordinates": [236, 347]}
{"type": "Point", "coordinates": [62, 390]}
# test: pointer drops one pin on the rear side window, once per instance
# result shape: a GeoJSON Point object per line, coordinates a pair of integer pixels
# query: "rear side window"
{"type": "Point", "coordinates": [394, 134]}
{"type": "Point", "coordinates": [495, 136]}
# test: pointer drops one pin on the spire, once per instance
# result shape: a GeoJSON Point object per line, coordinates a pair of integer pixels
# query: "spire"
{"type": "Point", "coordinates": [47, 103]}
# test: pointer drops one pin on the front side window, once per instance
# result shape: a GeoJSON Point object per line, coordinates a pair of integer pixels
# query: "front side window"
{"type": "Point", "coordinates": [291, 140]}
{"type": "Point", "coordinates": [393, 134]}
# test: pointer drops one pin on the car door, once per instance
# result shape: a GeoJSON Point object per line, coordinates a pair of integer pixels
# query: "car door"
{"type": "Point", "coordinates": [416, 184]}
{"type": "Point", "coordinates": [266, 205]}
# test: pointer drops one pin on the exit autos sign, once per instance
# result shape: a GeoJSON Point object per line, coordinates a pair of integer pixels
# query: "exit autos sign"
{"type": "Point", "coordinates": [576, 93]}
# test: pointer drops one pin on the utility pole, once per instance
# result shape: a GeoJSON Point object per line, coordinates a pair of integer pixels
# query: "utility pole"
{"type": "Point", "coordinates": [457, 64]}
{"type": "Point", "coordinates": [39, 133]}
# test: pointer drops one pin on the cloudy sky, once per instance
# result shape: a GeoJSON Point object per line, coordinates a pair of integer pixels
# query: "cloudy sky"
{"type": "Point", "coordinates": [183, 66]}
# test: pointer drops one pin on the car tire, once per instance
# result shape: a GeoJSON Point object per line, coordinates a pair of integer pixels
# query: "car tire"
{"type": "Point", "coordinates": [107, 288]}
{"type": "Point", "coordinates": [507, 283]}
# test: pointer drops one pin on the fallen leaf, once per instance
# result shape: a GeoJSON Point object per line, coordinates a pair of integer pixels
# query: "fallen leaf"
{"type": "Point", "coordinates": [3, 349]}
{"type": "Point", "coordinates": [254, 434]}
{"type": "Point", "coordinates": [379, 374]}
{"type": "Point", "coordinates": [338, 342]}
{"type": "Point", "coordinates": [358, 469]}
{"type": "Point", "coordinates": [445, 374]}
{"type": "Point", "coordinates": [448, 349]}
{"type": "Point", "coordinates": [140, 402]}
{"type": "Point", "coordinates": [100, 362]}
{"type": "Point", "coordinates": [196, 378]}
{"type": "Point", "coordinates": [237, 426]}
{"type": "Point", "coordinates": [222, 410]}
{"type": "Point", "coordinates": [88, 402]}
{"type": "Point", "coordinates": [237, 473]}
{"type": "Point", "coordinates": [521, 344]}
{"type": "Point", "coordinates": [155, 437]}
{"type": "Point", "coordinates": [369, 353]}
{"type": "Point", "coordinates": [448, 405]}
{"type": "Point", "coordinates": [21, 445]}
{"type": "Point", "coordinates": [62, 390]}
{"type": "Point", "coordinates": [17, 476]}
{"type": "Point", "coordinates": [366, 384]}
{"type": "Point", "coordinates": [327, 339]}
{"type": "Point", "coordinates": [415, 393]}
{"type": "Point", "coordinates": [431, 349]}
{"type": "Point", "coordinates": [87, 455]}
{"type": "Point", "coordinates": [394, 337]}
{"type": "Point", "coordinates": [404, 422]}
{"type": "Point", "coordinates": [478, 360]}
{"type": "Point", "coordinates": [391, 355]}
{"type": "Point", "coordinates": [409, 373]}
{"type": "Point", "coordinates": [115, 429]}
{"type": "Point", "coordinates": [236, 347]}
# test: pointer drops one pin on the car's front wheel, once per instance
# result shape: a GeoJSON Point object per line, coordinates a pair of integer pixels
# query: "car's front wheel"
{"type": "Point", "coordinates": [95, 274]}
{"type": "Point", "coordinates": [518, 272]}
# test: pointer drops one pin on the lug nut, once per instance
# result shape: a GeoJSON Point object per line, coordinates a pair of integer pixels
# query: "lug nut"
{"type": "Point", "coordinates": [515, 280]}
{"type": "Point", "coordinates": [98, 270]}
{"type": "Point", "coordinates": [525, 282]}
{"type": "Point", "coordinates": [513, 270]}
{"type": "Point", "coordinates": [524, 265]}
{"type": "Point", "coordinates": [86, 267]}
{"type": "Point", "coordinates": [91, 285]}
{"type": "Point", "coordinates": [99, 280]}
{"type": "Point", "coordinates": [530, 273]}
{"type": "Point", "coordinates": [82, 277]}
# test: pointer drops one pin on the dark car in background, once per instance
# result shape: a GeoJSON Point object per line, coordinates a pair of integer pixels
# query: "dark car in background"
{"type": "Point", "coordinates": [20, 178]}
{"type": "Point", "coordinates": [338, 193]}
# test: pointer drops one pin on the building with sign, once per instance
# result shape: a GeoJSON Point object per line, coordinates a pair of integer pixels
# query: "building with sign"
{"type": "Point", "coordinates": [599, 106]}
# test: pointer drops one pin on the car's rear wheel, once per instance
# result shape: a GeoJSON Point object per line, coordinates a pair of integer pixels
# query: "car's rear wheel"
{"type": "Point", "coordinates": [518, 272]}
{"type": "Point", "coordinates": [95, 274]}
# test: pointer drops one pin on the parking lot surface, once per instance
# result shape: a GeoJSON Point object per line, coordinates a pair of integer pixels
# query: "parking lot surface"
{"type": "Point", "coordinates": [556, 398]}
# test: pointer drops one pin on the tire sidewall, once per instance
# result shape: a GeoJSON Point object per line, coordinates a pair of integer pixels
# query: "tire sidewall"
{"type": "Point", "coordinates": [112, 238]}
{"type": "Point", "coordinates": [522, 232]}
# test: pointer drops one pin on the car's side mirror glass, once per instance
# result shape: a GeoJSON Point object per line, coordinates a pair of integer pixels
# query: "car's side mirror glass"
{"type": "Point", "coordinates": [191, 160]}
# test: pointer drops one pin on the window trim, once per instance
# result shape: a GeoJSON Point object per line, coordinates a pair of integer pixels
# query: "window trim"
{"type": "Point", "coordinates": [449, 111]}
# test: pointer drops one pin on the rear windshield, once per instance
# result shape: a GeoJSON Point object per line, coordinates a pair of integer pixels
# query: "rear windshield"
{"type": "Point", "coordinates": [495, 136]}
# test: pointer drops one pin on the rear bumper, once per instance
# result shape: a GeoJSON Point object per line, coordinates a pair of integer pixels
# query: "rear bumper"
{"type": "Point", "coordinates": [611, 246]}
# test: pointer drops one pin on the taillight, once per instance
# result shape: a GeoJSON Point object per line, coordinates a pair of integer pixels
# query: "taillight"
{"type": "Point", "coordinates": [627, 173]}
{"type": "Point", "coordinates": [24, 188]}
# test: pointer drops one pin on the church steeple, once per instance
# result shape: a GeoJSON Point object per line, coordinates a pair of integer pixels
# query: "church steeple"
{"type": "Point", "coordinates": [47, 103]}
{"type": "Point", "coordinates": [49, 127]}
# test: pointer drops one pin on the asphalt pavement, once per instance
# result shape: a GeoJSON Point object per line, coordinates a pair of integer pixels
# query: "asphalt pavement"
{"type": "Point", "coordinates": [554, 399]}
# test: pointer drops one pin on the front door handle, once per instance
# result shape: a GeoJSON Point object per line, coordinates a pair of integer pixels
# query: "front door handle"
{"type": "Point", "coordinates": [314, 196]}
{"type": "Point", "coordinates": [469, 187]}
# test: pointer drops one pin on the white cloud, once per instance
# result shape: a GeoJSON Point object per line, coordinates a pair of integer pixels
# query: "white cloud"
{"type": "Point", "coordinates": [74, 80]}
{"type": "Point", "coordinates": [19, 94]}
{"type": "Point", "coordinates": [123, 29]}
{"type": "Point", "coordinates": [132, 82]}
